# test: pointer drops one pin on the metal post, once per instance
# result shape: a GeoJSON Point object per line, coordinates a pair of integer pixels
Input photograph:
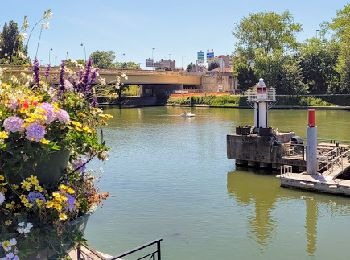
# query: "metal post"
{"type": "Point", "coordinates": [158, 250]}
{"type": "Point", "coordinates": [78, 252]}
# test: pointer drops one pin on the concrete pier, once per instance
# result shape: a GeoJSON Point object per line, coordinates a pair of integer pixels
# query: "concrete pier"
{"type": "Point", "coordinates": [271, 151]}
{"type": "Point", "coordinates": [316, 183]}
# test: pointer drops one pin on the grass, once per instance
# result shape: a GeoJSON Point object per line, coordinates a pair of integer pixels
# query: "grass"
{"type": "Point", "coordinates": [240, 101]}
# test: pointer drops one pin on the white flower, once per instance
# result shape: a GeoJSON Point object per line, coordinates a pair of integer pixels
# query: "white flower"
{"type": "Point", "coordinates": [23, 35]}
{"type": "Point", "coordinates": [45, 25]}
{"type": "Point", "coordinates": [47, 14]}
{"type": "Point", "coordinates": [103, 81]}
{"type": "Point", "coordinates": [21, 55]}
{"type": "Point", "coordinates": [2, 198]}
{"type": "Point", "coordinates": [13, 241]}
{"type": "Point", "coordinates": [24, 229]}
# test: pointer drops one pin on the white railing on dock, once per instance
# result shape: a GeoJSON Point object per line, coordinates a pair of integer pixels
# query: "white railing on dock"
{"type": "Point", "coordinates": [253, 97]}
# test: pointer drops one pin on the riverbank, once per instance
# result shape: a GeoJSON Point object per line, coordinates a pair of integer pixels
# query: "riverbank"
{"type": "Point", "coordinates": [335, 102]}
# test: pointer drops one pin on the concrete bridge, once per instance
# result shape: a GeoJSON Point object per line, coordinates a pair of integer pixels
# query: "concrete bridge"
{"type": "Point", "coordinates": [152, 83]}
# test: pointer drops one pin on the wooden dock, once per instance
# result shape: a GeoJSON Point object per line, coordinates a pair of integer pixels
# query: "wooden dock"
{"type": "Point", "coordinates": [333, 177]}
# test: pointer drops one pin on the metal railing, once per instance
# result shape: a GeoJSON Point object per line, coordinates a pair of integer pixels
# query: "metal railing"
{"type": "Point", "coordinates": [333, 158]}
{"type": "Point", "coordinates": [153, 255]}
{"type": "Point", "coordinates": [252, 95]}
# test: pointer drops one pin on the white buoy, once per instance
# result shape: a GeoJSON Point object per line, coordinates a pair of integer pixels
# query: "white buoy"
{"type": "Point", "coordinates": [311, 149]}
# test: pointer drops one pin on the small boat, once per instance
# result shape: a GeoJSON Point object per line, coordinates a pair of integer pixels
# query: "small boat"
{"type": "Point", "coordinates": [185, 114]}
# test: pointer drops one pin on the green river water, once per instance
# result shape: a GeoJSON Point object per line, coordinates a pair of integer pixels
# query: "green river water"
{"type": "Point", "coordinates": [169, 177]}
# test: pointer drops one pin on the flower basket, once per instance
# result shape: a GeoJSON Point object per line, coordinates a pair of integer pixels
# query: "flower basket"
{"type": "Point", "coordinates": [48, 169]}
{"type": "Point", "coordinates": [48, 134]}
{"type": "Point", "coordinates": [48, 242]}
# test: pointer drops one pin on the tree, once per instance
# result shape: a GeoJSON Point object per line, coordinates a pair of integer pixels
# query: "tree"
{"type": "Point", "coordinates": [264, 48]}
{"type": "Point", "coordinates": [213, 65]}
{"type": "Point", "coordinates": [280, 71]}
{"type": "Point", "coordinates": [318, 59]}
{"type": "Point", "coordinates": [268, 31]}
{"type": "Point", "coordinates": [190, 67]}
{"type": "Point", "coordinates": [103, 59]}
{"type": "Point", "coordinates": [130, 65]}
{"type": "Point", "coordinates": [341, 26]}
{"type": "Point", "coordinates": [11, 45]}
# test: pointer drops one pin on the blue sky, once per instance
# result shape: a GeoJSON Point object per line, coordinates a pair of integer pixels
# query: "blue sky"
{"type": "Point", "coordinates": [134, 27]}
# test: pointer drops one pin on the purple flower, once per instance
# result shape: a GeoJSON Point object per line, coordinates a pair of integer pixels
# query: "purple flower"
{"type": "Point", "coordinates": [87, 72]}
{"type": "Point", "coordinates": [36, 69]}
{"type": "Point", "coordinates": [47, 71]}
{"type": "Point", "coordinates": [62, 116]}
{"type": "Point", "coordinates": [49, 112]}
{"type": "Point", "coordinates": [13, 124]}
{"type": "Point", "coordinates": [79, 164]}
{"type": "Point", "coordinates": [33, 196]}
{"type": "Point", "coordinates": [71, 203]}
{"type": "Point", "coordinates": [35, 132]}
{"type": "Point", "coordinates": [94, 76]}
{"type": "Point", "coordinates": [62, 77]}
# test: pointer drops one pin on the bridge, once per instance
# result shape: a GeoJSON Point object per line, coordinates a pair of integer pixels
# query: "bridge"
{"type": "Point", "coordinates": [152, 83]}
{"type": "Point", "coordinates": [135, 77]}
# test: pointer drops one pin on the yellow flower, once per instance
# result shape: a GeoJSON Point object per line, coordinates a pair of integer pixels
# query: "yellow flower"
{"type": "Point", "coordinates": [2, 178]}
{"type": "Point", "coordinates": [77, 124]}
{"type": "Point", "coordinates": [8, 222]}
{"type": "Point", "coordinates": [10, 205]}
{"type": "Point", "coordinates": [70, 191]}
{"type": "Point", "coordinates": [6, 245]}
{"type": "Point", "coordinates": [44, 141]}
{"type": "Point", "coordinates": [3, 135]}
{"type": "Point", "coordinates": [26, 185]}
{"type": "Point", "coordinates": [87, 129]}
{"type": "Point", "coordinates": [39, 203]}
{"type": "Point", "coordinates": [63, 216]}
{"type": "Point", "coordinates": [49, 204]}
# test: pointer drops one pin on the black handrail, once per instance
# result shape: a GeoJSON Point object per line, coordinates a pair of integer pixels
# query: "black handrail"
{"type": "Point", "coordinates": [151, 255]}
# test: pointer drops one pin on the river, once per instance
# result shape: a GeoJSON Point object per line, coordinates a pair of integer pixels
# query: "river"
{"type": "Point", "coordinates": [169, 177]}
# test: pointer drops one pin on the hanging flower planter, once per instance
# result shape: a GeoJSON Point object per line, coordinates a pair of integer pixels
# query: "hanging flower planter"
{"type": "Point", "coordinates": [48, 169]}
{"type": "Point", "coordinates": [47, 136]}
{"type": "Point", "coordinates": [45, 241]}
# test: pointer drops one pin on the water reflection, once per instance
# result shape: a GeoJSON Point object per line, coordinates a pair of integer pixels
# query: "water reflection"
{"type": "Point", "coordinates": [264, 193]}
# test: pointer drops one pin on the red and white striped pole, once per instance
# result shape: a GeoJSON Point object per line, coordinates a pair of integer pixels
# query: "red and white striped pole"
{"type": "Point", "coordinates": [311, 150]}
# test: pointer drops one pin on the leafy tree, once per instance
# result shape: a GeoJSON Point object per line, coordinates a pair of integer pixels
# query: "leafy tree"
{"type": "Point", "coordinates": [11, 45]}
{"type": "Point", "coordinates": [213, 65]}
{"type": "Point", "coordinates": [103, 59]}
{"type": "Point", "coordinates": [265, 44]}
{"type": "Point", "coordinates": [243, 70]}
{"type": "Point", "coordinates": [280, 71]}
{"type": "Point", "coordinates": [318, 59]}
{"type": "Point", "coordinates": [127, 65]}
{"type": "Point", "coordinates": [190, 67]}
{"type": "Point", "coordinates": [341, 26]}
{"type": "Point", "coordinates": [268, 31]}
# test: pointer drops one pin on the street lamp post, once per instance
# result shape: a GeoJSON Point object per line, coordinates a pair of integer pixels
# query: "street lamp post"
{"type": "Point", "coordinates": [82, 45]}
{"type": "Point", "coordinates": [182, 62]}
